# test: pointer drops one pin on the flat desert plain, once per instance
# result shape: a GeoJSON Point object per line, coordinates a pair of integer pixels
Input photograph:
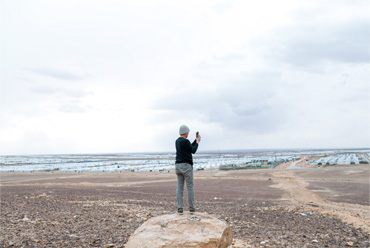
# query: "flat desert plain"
{"type": "Point", "coordinates": [325, 207]}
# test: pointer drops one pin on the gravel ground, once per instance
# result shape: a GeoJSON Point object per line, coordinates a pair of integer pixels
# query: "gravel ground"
{"type": "Point", "coordinates": [101, 216]}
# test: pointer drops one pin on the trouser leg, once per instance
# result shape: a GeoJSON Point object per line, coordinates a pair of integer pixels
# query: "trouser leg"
{"type": "Point", "coordinates": [190, 185]}
{"type": "Point", "coordinates": [180, 189]}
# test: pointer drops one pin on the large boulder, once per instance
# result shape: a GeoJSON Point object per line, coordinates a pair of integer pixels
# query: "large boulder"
{"type": "Point", "coordinates": [172, 230]}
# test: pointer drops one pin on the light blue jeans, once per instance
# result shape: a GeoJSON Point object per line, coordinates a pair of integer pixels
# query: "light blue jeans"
{"type": "Point", "coordinates": [184, 173]}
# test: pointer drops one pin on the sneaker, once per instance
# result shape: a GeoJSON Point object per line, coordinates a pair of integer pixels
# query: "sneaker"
{"type": "Point", "coordinates": [191, 210]}
{"type": "Point", "coordinates": [180, 211]}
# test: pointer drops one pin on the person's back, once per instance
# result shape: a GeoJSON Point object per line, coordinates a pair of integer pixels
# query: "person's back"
{"type": "Point", "coordinates": [184, 150]}
{"type": "Point", "coordinates": [184, 168]}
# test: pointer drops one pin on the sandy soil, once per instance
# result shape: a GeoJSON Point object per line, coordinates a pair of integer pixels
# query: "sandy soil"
{"type": "Point", "coordinates": [298, 193]}
{"type": "Point", "coordinates": [265, 208]}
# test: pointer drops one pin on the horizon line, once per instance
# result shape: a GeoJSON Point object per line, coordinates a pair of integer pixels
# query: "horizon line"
{"type": "Point", "coordinates": [199, 152]}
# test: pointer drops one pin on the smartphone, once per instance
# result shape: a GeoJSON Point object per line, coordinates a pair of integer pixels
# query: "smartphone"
{"type": "Point", "coordinates": [197, 134]}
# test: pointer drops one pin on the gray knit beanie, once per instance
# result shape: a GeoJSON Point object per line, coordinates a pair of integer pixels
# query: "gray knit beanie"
{"type": "Point", "coordinates": [184, 129]}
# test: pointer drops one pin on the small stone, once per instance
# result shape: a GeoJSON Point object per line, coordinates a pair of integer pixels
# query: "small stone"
{"type": "Point", "coordinates": [43, 195]}
{"type": "Point", "coordinates": [25, 219]}
{"type": "Point", "coordinates": [96, 240]}
{"type": "Point", "coordinates": [349, 244]}
{"type": "Point", "coordinates": [351, 239]}
{"type": "Point", "coordinates": [315, 241]}
{"type": "Point", "coordinates": [108, 245]}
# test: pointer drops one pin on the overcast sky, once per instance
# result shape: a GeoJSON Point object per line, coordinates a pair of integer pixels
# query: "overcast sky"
{"type": "Point", "coordinates": [122, 76]}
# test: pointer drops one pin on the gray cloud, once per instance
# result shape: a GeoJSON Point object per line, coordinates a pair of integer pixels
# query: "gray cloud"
{"type": "Point", "coordinates": [169, 63]}
{"type": "Point", "coordinates": [223, 6]}
{"type": "Point", "coordinates": [251, 103]}
{"type": "Point", "coordinates": [37, 142]}
{"type": "Point", "coordinates": [25, 79]}
{"type": "Point", "coordinates": [44, 90]}
{"type": "Point", "coordinates": [229, 57]}
{"type": "Point", "coordinates": [74, 93]}
{"type": "Point", "coordinates": [314, 43]}
{"type": "Point", "coordinates": [56, 73]}
{"type": "Point", "coordinates": [67, 99]}
{"type": "Point", "coordinates": [73, 108]}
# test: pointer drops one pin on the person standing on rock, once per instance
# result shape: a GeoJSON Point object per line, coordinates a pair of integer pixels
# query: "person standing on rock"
{"type": "Point", "coordinates": [184, 168]}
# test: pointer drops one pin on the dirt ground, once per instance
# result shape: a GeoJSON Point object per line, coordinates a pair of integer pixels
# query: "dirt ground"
{"type": "Point", "coordinates": [266, 208]}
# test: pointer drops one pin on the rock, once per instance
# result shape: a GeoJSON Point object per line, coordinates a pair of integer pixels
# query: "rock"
{"type": "Point", "coordinates": [200, 230]}
{"type": "Point", "coordinates": [351, 239]}
{"type": "Point", "coordinates": [25, 219]}
{"type": "Point", "coordinates": [43, 195]}
{"type": "Point", "coordinates": [326, 236]}
{"type": "Point", "coordinates": [349, 244]}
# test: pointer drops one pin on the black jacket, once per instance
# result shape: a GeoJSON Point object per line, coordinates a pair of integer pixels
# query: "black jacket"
{"type": "Point", "coordinates": [184, 150]}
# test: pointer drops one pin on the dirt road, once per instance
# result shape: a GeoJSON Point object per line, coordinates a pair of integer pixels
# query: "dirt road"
{"type": "Point", "coordinates": [297, 192]}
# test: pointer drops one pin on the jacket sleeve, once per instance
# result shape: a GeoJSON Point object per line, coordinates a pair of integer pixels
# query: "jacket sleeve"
{"type": "Point", "coordinates": [194, 146]}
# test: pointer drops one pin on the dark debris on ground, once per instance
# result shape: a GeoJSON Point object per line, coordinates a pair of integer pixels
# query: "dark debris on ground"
{"type": "Point", "coordinates": [50, 216]}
